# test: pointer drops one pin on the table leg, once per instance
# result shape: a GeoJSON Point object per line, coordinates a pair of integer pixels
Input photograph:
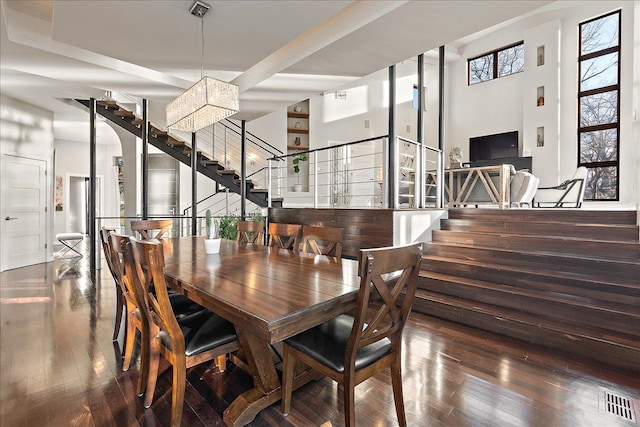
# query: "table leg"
{"type": "Point", "coordinates": [267, 388]}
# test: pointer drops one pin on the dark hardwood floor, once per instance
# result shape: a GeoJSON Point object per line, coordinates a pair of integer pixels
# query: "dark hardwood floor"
{"type": "Point", "coordinates": [59, 367]}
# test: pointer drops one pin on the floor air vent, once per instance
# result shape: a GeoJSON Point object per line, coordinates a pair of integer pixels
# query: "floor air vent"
{"type": "Point", "coordinates": [612, 403]}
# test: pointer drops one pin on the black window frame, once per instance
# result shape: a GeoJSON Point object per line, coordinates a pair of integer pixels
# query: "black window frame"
{"type": "Point", "coordinates": [494, 53]}
{"type": "Point", "coordinates": [610, 88]}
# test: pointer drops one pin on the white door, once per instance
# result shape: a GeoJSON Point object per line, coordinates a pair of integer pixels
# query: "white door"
{"type": "Point", "coordinates": [24, 198]}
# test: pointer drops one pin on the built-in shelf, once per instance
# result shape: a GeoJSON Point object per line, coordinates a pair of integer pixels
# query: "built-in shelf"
{"type": "Point", "coordinates": [298, 141]}
{"type": "Point", "coordinates": [297, 130]}
{"type": "Point", "coordinates": [540, 56]}
{"type": "Point", "coordinates": [295, 115]}
{"type": "Point", "coordinates": [540, 136]}
{"type": "Point", "coordinates": [540, 99]}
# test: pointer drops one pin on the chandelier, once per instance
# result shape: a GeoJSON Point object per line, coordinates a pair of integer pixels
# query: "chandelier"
{"type": "Point", "coordinates": [206, 102]}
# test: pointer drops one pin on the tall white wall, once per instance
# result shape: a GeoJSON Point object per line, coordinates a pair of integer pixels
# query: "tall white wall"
{"type": "Point", "coordinates": [500, 105]}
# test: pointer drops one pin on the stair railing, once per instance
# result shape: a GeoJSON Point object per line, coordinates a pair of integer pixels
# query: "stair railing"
{"type": "Point", "coordinates": [355, 175]}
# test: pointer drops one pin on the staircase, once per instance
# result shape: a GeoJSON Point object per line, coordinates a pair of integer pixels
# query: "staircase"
{"type": "Point", "coordinates": [566, 279]}
{"type": "Point", "coordinates": [181, 151]}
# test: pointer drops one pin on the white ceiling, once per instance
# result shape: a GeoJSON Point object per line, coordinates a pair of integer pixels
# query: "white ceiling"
{"type": "Point", "coordinates": [278, 52]}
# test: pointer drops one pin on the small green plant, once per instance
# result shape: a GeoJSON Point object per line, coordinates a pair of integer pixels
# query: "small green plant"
{"type": "Point", "coordinates": [228, 227]}
{"type": "Point", "coordinates": [296, 161]}
{"type": "Point", "coordinates": [211, 225]}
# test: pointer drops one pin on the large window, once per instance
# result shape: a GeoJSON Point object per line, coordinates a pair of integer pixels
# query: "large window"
{"type": "Point", "coordinates": [499, 63]}
{"type": "Point", "coordinates": [599, 105]}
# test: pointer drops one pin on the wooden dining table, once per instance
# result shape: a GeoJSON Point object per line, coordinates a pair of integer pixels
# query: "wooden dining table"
{"type": "Point", "coordinates": [269, 294]}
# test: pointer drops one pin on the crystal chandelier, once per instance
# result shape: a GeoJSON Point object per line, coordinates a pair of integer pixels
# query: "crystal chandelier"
{"type": "Point", "coordinates": [206, 102]}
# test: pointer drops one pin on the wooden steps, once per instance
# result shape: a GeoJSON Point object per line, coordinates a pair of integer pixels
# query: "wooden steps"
{"type": "Point", "coordinates": [610, 232]}
{"type": "Point", "coordinates": [180, 150]}
{"type": "Point", "coordinates": [568, 279]}
{"type": "Point", "coordinates": [606, 347]}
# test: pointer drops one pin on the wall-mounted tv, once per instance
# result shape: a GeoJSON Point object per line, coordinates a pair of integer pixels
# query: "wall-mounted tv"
{"type": "Point", "coordinates": [496, 146]}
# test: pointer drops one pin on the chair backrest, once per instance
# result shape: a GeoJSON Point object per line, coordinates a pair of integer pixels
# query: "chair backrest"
{"type": "Point", "coordinates": [121, 248]}
{"type": "Point", "coordinates": [322, 240]}
{"type": "Point", "coordinates": [250, 232]}
{"type": "Point", "coordinates": [388, 281]}
{"type": "Point", "coordinates": [108, 252]}
{"type": "Point", "coordinates": [531, 191]}
{"type": "Point", "coordinates": [148, 268]}
{"type": "Point", "coordinates": [285, 236]}
{"type": "Point", "coordinates": [577, 192]}
{"type": "Point", "coordinates": [521, 185]}
{"type": "Point", "coordinates": [145, 228]}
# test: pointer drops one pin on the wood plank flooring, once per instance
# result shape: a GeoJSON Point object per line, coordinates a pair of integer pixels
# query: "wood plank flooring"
{"type": "Point", "coordinates": [59, 367]}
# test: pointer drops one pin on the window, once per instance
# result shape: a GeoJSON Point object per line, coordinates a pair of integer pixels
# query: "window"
{"type": "Point", "coordinates": [499, 63]}
{"type": "Point", "coordinates": [599, 105]}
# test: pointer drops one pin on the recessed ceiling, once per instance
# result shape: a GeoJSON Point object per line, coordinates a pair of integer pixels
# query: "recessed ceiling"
{"type": "Point", "coordinates": [281, 51]}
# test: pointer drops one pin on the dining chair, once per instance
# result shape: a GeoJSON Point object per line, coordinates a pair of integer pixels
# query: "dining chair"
{"type": "Point", "coordinates": [199, 338]}
{"type": "Point", "coordinates": [250, 232]}
{"type": "Point", "coordinates": [146, 228]}
{"type": "Point", "coordinates": [322, 240]}
{"type": "Point", "coordinates": [121, 304]}
{"type": "Point", "coordinates": [350, 349]}
{"type": "Point", "coordinates": [135, 320]}
{"type": "Point", "coordinates": [182, 305]}
{"type": "Point", "coordinates": [285, 236]}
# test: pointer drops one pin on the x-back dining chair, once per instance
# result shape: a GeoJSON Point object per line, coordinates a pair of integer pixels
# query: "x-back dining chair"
{"type": "Point", "coordinates": [149, 229]}
{"type": "Point", "coordinates": [193, 340]}
{"type": "Point", "coordinates": [350, 349]}
{"type": "Point", "coordinates": [121, 304]}
{"type": "Point", "coordinates": [285, 236]}
{"type": "Point", "coordinates": [135, 319]}
{"type": "Point", "coordinates": [250, 232]}
{"type": "Point", "coordinates": [322, 240]}
{"type": "Point", "coordinates": [157, 230]}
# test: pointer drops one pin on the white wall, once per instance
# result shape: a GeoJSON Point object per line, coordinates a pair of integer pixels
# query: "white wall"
{"type": "Point", "coordinates": [72, 160]}
{"type": "Point", "coordinates": [498, 105]}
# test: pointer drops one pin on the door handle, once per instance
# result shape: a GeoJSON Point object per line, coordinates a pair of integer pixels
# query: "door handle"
{"type": "Point", "coordinates": [8, 218]}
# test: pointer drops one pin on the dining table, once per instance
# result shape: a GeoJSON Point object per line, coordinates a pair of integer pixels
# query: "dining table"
{"type": "Point", "coordinates": [269, 294]}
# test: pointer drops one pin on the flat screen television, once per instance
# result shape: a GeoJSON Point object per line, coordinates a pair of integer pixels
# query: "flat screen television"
{"type": "Point", "coordinates": [496, 146]}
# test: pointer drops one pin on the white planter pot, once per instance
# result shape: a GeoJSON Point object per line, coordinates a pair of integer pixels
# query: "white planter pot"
{"type": "Point", "coordinates": [297, 188]}
{"type": "Point", "coordinates": [212, 246]}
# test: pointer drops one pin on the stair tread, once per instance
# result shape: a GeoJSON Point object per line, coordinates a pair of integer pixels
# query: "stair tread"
{"type": "Point", "coordinates": [586, 277]}
{"type": "Point", "coordinates": [112, 105]}
{"type": "Point", "coordinates": [550, 223]}
{"type": "Point", "coordinates": [533, 237]}
{"type": "Point", "coordinates": [555, 215]}
{"type": "Point", "coordinates": [537, 253]}
{"type": "Point", "coordinates": [569, 329]}
{"type": "Point", "coordinates": [626, 309]}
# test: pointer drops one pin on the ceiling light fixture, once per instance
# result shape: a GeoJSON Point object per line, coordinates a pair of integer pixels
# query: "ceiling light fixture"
{"type": "Point", "coordinates": [206, 102]}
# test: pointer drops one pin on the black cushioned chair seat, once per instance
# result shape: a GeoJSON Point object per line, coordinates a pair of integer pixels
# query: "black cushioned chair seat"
{"type": "Point", "coordinates": [327, 343]}
{"type": "Point", "coordinates": [202, 331]}
{"type": "Point", "coordinates": [183, 306]}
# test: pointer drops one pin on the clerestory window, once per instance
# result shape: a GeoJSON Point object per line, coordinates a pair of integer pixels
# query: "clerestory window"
{"type": "Point", "coordinates": [499, 63]}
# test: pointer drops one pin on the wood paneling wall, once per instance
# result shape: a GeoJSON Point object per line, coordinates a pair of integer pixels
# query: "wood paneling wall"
{"type": "Point", "coordinates": [363, 228]}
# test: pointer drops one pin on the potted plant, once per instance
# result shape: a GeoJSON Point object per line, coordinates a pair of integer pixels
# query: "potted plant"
{"type": "Point", "coordinates": [302, 157]}
{"type": "Point", "coordinates": [228, 227]}
{"type": "Point", "coordinates": [212, 239]}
